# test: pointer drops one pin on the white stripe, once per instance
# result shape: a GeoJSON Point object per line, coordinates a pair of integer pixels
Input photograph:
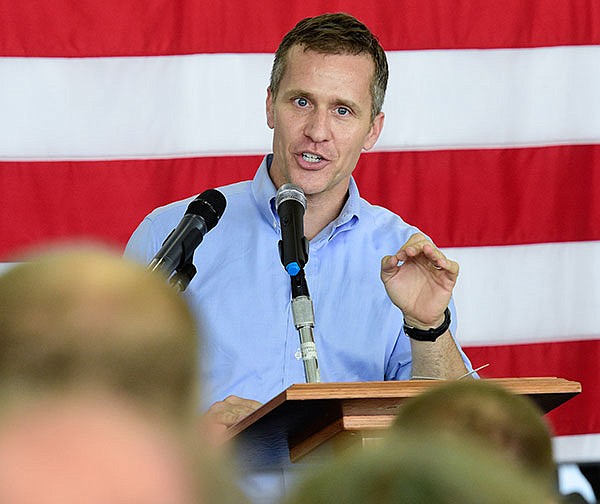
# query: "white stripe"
{"type": "Point", "coordinates": [526, 294]}
{"type": "Point", "coordinates": [102, 108]}
{"type": "Point", "coordinates": [493, 98]}
{"type": "Point", "coordinates": [575, 449]}
{"type": "Point", "coordinates": [213, 104]}
{"type": "Point", "coordinates": [5, 266]}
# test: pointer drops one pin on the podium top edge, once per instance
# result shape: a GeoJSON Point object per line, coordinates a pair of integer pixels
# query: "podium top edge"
{"type": "Point", "coordinates": [346, 390]}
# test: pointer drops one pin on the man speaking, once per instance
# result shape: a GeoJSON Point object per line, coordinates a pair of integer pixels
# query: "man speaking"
{"type": "Point", "coordinates": [382, 291]}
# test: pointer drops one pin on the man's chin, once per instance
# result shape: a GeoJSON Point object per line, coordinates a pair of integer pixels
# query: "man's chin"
{"type": "Point", "coordinates": [310, 187]}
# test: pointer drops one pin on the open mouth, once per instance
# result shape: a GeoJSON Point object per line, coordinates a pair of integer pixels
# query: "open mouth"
{"type": "Point", "coordinates": [311, 158]}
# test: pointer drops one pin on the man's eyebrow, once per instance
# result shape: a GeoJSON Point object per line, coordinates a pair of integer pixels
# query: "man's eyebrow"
{"type": "Point", "coordinates": [291, 93]}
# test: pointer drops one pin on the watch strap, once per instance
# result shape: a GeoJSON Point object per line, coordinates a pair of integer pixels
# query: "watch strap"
{"type": "Point", "coordinates": [431, 334]}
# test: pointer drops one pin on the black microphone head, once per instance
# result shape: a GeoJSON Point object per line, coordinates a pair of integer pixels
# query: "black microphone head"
{"type": "Point", "coordinates": [290, 192]}
{"type": "Point", "coordinates": [209, 205]}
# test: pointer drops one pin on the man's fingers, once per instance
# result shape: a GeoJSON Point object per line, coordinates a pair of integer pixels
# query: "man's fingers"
{"type": "Point", "coordinates": [414, 246]}
{"type": "Point", "coordinates": [439, 261]}
{"type": "Point", "coordinates": [240, 401]}
{"type": "Point", "coordinates": [231, 410]}
{"type": "Point", "coordinates": [435, 257]}
{"type": "Point", "coordinates": [419, 246]}
{"type": "Point", "coordinates": [235, 408]}
{"type": "Point", "coordinates": [389, 264]}
{"type": "Point", "coordinates": [415, 238]}
{"type": "Point", "coordinates": [233, 415]}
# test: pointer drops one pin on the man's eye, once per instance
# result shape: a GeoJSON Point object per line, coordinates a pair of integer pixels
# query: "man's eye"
{"type": "Point", "coordinates": [301, 102]}
{"type": "Point", "coordinates": [343, 111]}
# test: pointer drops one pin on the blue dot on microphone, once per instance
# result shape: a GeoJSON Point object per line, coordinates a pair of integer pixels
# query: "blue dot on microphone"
{"type": "Point", "coordinates": [293, 268]}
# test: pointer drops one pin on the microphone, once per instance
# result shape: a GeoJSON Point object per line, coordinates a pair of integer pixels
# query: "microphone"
{"type": "Point", "coordinates": [202, 214]}
{"type": "Point", "coordinates": [290, 203]}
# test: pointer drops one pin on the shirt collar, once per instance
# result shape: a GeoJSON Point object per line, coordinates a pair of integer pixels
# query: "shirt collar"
{"type": "Point", "coordinates": [264, 192]}
{"type": "Point", "coordinates": [346, 220]}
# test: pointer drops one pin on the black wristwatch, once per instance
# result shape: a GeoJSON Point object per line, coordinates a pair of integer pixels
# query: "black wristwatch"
{"type": "Point", "coordinates": [428, 334]}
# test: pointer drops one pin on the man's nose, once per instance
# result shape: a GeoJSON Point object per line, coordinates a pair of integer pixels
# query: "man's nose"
{"type": "Point", "coordinates": [318, 127]}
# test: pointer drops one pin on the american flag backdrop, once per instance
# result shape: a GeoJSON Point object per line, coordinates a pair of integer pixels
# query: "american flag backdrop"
{"type": "Point", "coordinates": [491, 146]}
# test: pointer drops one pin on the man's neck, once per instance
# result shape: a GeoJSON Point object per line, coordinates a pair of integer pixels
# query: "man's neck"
{"type": "Point", "coordinates": [321, 209]}
{"type": "Point", "coordinates": [320, 212]}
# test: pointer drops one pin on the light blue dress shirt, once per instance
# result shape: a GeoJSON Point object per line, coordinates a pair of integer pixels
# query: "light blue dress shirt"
{"type": "Point", "coordinates": [241, 294]}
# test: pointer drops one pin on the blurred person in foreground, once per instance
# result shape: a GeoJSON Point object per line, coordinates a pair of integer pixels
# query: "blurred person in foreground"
{"type": "Point", "coordinates": [510, 425]}
{"type": "Point", "coordinates": [82, 314]}
{"type": "Point", "coordinates": [425, 469]}
{"type": "Point", "coordinates": [88, 337]}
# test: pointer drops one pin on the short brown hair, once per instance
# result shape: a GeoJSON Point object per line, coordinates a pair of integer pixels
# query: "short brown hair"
{"type": "Point", "coordinates": [76, 315]}
{"type": "Point", "coordinates": [510, 424]}
{"type": "Point", "coordinates": [337, 33]}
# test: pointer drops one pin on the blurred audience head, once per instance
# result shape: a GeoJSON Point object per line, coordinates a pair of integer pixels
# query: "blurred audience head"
{"type": "Point", "coordinates": [510, 424]}
{"type": "Point", "coordinates": [420, 470]}
{"type": "Point", "coordinates": [86, 315]}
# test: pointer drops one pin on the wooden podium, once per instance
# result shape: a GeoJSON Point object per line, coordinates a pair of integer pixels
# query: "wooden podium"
{"type": "Point", "coordinates": [308, 416]}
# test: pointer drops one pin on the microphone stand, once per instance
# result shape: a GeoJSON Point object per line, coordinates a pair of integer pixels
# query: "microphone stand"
{"type": "Point", "coordinates": [183, 275]}
{"type": "Point", "coordinates": [304, 320]}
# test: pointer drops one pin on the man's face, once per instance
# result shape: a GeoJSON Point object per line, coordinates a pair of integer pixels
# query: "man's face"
{"type": "Point", "coordinates": [321, 121]}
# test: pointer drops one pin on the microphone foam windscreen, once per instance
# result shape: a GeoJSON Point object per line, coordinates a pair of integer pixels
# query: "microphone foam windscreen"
{"type": "Point", "coordinates": [209, 205]}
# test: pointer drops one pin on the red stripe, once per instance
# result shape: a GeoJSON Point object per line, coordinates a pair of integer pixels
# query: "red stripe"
{"type": "Point", "coordinates": [159, 27]}
{"type": "Point", "coordinates": [460, 198]}
{"type": "Point", "coordinates": [573, 360]}
{"type": "Point", "coordinates": [104, 201]}
{"type": "Point", "coordinates": [493, 196]}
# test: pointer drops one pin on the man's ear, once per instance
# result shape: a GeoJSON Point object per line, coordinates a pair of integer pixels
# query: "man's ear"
{"type": "Point", "coordinates": [374, 132]}
{"type": "Point", "coordinates": [269, 107]}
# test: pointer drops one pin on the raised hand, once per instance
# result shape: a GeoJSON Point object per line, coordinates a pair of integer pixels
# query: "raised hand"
{"type": "Point", "coordinates": [419, 279]}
